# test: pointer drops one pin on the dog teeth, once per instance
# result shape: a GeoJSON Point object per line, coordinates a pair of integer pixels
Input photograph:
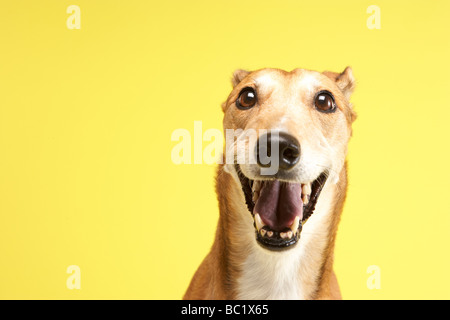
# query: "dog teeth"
{"type": "Point", "coordinates": [306, 189]}
{"type": "Point", "coordinates": [306, 192]}
{"type": "Point", "coordinates": [295, 224]}
{"type": "Point", "coordinates": [286, 235]}
{"type": "Point", "coordinates": [258, 221]}
{"type": "Point", "coordinates": [256, 186]}
{"type": "Point", "coordinates": [255, 190]}
{"type": "Point", "coordinates": [305, 199]}
{"type": "Point", "coordinates": [255, 196]}
{"type": "Point", "coordinates": [264, 231]}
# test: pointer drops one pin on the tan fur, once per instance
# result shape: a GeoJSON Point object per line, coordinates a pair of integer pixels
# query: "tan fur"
{"type": "Point", "coordinates": [283, 101]}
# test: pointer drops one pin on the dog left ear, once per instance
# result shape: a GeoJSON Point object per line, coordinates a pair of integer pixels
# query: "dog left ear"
{"type": "Point", "coordinates": [238, 76]}
{"type": "Point", "coordinates": [345, 80]}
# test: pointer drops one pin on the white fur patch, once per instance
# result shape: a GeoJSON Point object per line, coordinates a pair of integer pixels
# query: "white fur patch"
{"type": "Point", "coordinates": [270, 275]}
{"type": "Point", "coordinates": [308, 82]}
{"type": "Point", "coordinates": [266, 82]}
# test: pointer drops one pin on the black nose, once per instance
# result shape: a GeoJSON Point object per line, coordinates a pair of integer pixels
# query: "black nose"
{"type": "Point", "coordinates": [288, 150]}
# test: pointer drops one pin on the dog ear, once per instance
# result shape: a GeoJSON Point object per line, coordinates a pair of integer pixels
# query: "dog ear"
{"type": "Point", "coordinates": [345, 80]}
{"type": "Point", "coordinates": [238, 76]}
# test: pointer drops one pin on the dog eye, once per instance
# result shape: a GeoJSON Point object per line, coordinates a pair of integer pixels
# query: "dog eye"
{"type": "Point", "coordinates": [324, 102]}
{"type": "Point", "coordinates": [246, 99]}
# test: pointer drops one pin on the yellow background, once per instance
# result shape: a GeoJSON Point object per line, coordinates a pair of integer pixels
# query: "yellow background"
{"type": "Point", "coordinates": [86, 117]}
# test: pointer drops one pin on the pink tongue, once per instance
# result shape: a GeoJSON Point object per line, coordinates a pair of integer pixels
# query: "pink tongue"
{"type": "Point", "coordinates": [279, 203]}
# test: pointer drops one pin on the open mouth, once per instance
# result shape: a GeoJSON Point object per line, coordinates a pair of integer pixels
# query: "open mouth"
{"type": "Point", "coordinates": [279, 208]}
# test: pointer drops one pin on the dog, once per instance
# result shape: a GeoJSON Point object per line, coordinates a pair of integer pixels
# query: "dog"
{"type": "Point", "coordinates": [276, 232]}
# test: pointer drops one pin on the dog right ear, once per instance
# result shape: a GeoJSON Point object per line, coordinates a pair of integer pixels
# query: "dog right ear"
{"type": "Point", "coordinates": [238, 76]}
{"type": "Point", "coordinates": [345, 80]}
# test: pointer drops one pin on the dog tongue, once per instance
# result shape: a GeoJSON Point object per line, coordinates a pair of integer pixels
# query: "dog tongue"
{"type": "Point", "coordinates": [279, 203]}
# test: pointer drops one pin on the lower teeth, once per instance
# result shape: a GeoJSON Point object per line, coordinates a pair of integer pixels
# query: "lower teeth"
{"type": "Point", "coordinates": [283, 235]}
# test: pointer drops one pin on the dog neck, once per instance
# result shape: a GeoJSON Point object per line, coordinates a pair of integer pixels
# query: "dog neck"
{"type": "Point", "coordinates": [249, 271]}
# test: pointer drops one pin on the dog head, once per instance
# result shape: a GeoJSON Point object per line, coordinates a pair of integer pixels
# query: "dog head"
{"type": "Point", "coordinates": [289, 133]}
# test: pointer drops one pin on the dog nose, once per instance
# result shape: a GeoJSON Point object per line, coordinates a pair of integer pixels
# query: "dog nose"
{"type": "Point", "coordinates": [288, 150]}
